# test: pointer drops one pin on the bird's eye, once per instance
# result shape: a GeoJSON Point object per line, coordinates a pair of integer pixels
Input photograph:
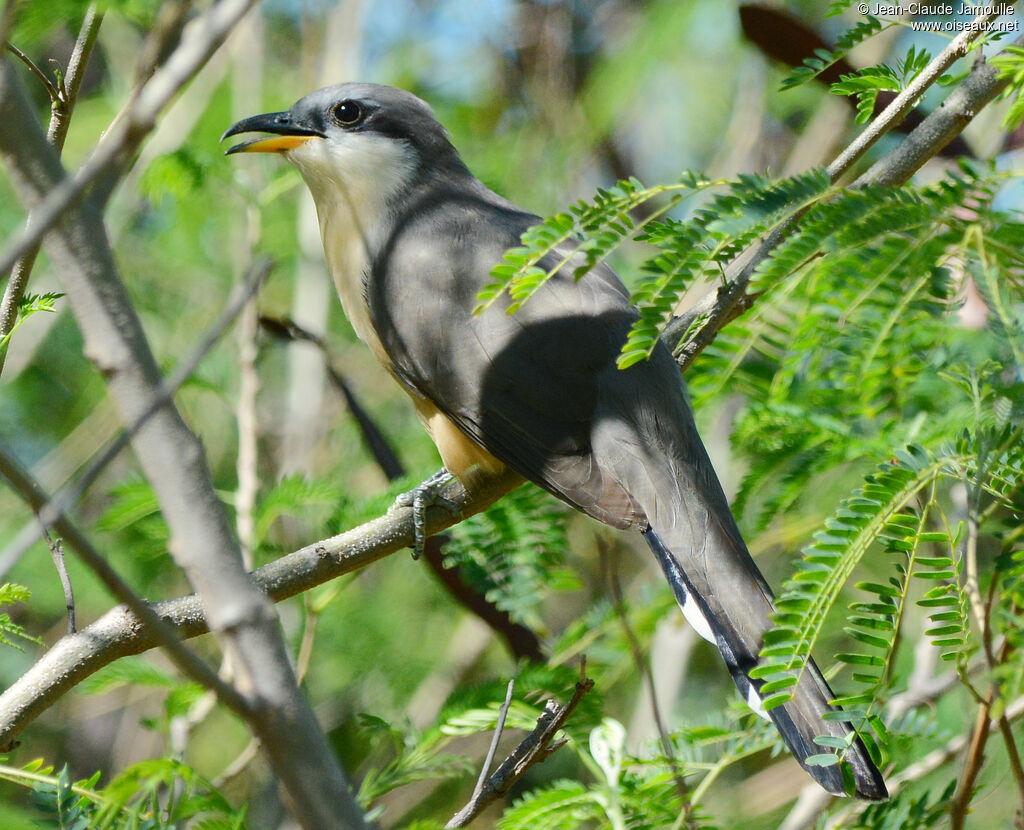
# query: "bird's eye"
{"type": "Point", "coordinates": [348, 113]}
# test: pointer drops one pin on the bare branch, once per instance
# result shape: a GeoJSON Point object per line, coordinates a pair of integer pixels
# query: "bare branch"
{"type": "Point", "coordinates": [248, 431]}
{"type": "Point", "coordinates": [172, 458]}
{"type": "Point", "coordinates": [499, 728]}
{"type": "Point", "coordinates": [535, 748]}
{"type": "Point", "coordinates": [120, 632]}
{"type": "Point", "coordinates": [51, 90]}
{"type": "Point", "coordinates": [57, 553]}
{"type": "Point", "coordinates": [182, 657]}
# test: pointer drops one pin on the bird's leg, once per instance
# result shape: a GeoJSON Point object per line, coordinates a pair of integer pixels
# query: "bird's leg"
{"type": "Point", "coordinates": [419, 499]}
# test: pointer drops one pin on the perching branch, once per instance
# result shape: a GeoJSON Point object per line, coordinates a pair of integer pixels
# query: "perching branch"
{"type": "Point", "coordinates": [690, 333]}
{"type": "Point", "coordinates": [171, 457]}
{"type": "Point", "coordinates": [535, 748]}
{"type": "Point", "coordinates": [120, 632]}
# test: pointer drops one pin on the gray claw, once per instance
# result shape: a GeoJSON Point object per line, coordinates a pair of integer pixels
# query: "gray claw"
{"type": "Point", "coordinates": [419, 499]}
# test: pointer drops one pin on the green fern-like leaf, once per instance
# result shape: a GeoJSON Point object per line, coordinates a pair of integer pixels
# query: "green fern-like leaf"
{"type": "Point", "coordinates": [876, 511]}
{"type": "Point", "coordinates": [824, 58]}
{"type": "Point", "coordinates": [579, 238]}
{"type": "Point", "coordinates": [1010, 64]}
{"type": "Point", "coordinates": [515, 552]}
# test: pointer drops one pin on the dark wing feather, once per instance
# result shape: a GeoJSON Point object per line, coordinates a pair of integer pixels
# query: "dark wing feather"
{"type": "Point", "coordinates": [521, 385]}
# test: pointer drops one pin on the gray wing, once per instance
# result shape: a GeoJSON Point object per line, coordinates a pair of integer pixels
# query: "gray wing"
{"type": "Point", "coordinates": [525, 386]}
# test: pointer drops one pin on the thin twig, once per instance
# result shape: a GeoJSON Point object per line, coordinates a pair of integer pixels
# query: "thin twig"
{"type": "Point", "coordinates": [248, 432]}
{"type": "Point", "coordinates": [971, 586]}
{"type": "Point", "coordinates": [1014, 757]}
{"type": "Point", "coordinates": [305, 655]}
{"type": "Point", "coordinates": [238, 766]}
{"type": "Point", "coordinates": [69, 493]}
{"type": "Point", "coordinates": [61, 108]}
{"type": "Point", "coordinates": [57, 552]}
{"type": "Point", "coordinates": [499, 728]}
{"type": "Point", "coordinates": [535, 748]}
{"type": "Point", "coordinates": [972, 766]}
{"type": "Point", "coordinates": [51, 90]}
{"type": "Point", "coordinates": [644, 667]}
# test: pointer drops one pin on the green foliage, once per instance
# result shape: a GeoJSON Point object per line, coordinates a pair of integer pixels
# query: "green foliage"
{"type": "Point", "coordinates": [868, 82]}
{"type": "Point", "coordinates": [150, 795]}
{"type": "Point", "coordinates": [580, 238]}
{"type": "Point", "coordinates": [824, 58]}
{"type": "Point", "coordinates": [913, 813]}
{"type": "Point", "coordinates": [514, 552]}
{"type": "Point", "coordinates": [30, 304]}
{"type": "Point", "coordinates": [1010, 64]}
{"type": "Point", "coordinates": [10, 631]}
{"type": "Point", "coordinates": [402, 758]}
{"type": "Point", "coordinates": [686, 250]}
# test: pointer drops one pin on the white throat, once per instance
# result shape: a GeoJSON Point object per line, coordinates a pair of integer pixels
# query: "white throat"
{"type": "Point", "coordinates": [354, 180]}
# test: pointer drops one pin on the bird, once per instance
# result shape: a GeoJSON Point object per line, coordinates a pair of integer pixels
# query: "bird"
{"type": "Point", "coordinates": [410, 237]}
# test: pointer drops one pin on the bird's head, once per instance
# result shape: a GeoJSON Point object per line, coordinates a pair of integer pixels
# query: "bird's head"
{"type": "Point", "coordinates": [359, 137]}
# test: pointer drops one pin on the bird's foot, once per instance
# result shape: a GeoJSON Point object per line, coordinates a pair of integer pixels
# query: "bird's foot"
{"type": "Point", "coordinates": [419, 499]}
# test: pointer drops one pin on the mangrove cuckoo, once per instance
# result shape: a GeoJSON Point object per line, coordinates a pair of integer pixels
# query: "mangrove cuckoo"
{"type": "Point", "coordinates": [410, 237]}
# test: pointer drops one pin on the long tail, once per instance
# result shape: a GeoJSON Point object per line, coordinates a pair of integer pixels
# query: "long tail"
{"type": "Point", "coordinates": [727, 601]}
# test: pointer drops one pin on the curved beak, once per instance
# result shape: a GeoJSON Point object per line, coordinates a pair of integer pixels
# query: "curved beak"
{"type": "Point", "coordinates": [288, 133]}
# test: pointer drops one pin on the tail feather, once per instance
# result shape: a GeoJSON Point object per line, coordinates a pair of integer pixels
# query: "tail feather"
{"type": "Point", "coordinates": [799, 720]}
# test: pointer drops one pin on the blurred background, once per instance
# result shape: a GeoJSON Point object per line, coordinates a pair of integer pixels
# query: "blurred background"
{"type": "Point", "coordinates": [547, 101]}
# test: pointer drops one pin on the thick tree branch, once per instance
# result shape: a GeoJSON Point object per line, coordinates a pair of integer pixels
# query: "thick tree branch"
{"type": "Point", "coordinates": [120, 632]}
{"type": "Point", "coordinates": [690, 333]}
{"type": "Point", "coordinates": [172, 457]}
